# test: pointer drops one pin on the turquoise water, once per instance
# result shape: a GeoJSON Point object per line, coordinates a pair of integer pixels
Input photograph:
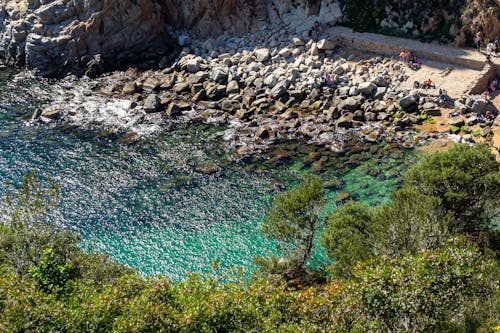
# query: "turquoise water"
{"type": "Point", "coordinates": [150, 205]}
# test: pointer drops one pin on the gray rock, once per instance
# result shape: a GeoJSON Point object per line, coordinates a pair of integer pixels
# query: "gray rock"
{"type": "Point", "coordinates": [471, 121]}
{"type": "Point", "coordinates": [366, 88]}
{"type": "Point", "coordinates": [485, 131]}
{"type": "Point", "coordinates": [353, 91]}
{"type": "Point", "coordinates": [350, 103]}
{"type": "Point", "coordinates": [279, 90]}
{"type": "Point", "coordinates": [479, 106]}
{"type": "Point", "coordinates": [462, 108]}
{"type": "Point", "coordinates": [270, 80]}
{"type": "Point", "coordinates": [220, 74]}
{"type": "Point", "coordinates": [232, 87]}
{"type": "Point", "coordinates": [379, 81]}
{"type": "Point", "coordinates": [409, 103]}
{"type": "Point", "coordinates": [262, 55]}
{"type": "Point", "coordinates": [193, 65]}
{"type": "Point", "coordinates": [456, 121]}
{"type": "Point", "coordinates": [152, 103]}
{"type": "Point", "coordinates": [380, 92]}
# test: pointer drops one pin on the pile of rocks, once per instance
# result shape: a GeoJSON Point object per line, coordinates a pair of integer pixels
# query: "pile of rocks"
{"type": "Point", "coordinates": [265, 95]}
{"type": "Point", "coordinates": [271, 94]}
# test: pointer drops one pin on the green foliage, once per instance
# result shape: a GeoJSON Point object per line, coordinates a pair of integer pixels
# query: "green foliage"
{"type": "Point", "coordinates": [50, 274]}
{"type": "Point", "coordinates": [364, 14]}
{"type": "Point", "coordinates": [26, 233]}
{"type": "Point", "coordinates": [347, 237]}
{"type": "Point", "coordinates": [423, 293]}
{"type": "Point", "coordinates": [466, 179]}
{"type": "Point", "coordinates": [293, 221]}
{"type": "Point", "coordinates": [25, 230]}
{"type": "Point", "coordinates": [409, 224]}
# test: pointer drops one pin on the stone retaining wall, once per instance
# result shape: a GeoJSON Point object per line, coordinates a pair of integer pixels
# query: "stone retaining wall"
{"type": "Point", "coordinates": [394, 50]}
{"type": "Point", "coordinates": [481, 83]}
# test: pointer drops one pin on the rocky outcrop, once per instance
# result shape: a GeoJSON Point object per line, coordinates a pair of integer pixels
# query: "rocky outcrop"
{"type": "Point", "coordinates": [91, 36]}
{"type": "Point", "coordinates": [57, 36]}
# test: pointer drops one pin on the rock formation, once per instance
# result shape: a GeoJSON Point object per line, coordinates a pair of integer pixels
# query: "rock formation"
{"type": "Point", "coordinates": [59, 35]}
{"type": "Point", "coordinates": [89, 36]}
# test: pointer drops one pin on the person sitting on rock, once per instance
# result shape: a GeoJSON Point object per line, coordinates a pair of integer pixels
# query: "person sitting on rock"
{"type": "Point", "coordinates": [428, 84]}
{"type": "Point", "coordinates": [486, 96]}
{"type": "Point", "coordinates": [442, 96]}
{"type": "Point", "coordinates": [489, 48]}
{"type": "Point", "coordinates": [327, 79]}
{"type": "Point", "coordinates": [492, 86]}
{"type": "Point", "coordinates": [489, 115]}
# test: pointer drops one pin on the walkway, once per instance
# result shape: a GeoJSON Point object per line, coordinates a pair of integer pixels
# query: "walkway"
{"type": "Point", "coordinates": [388, 45]}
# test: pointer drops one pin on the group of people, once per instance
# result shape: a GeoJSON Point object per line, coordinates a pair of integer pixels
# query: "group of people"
{"type": "Point", "coordinates": [491, 47]}
{"type": "Point", "coordinates": [410, 60]}
{"type": "Point", "coordinates": [427, 84]}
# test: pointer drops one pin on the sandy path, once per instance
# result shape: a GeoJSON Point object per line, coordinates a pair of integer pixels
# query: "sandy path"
{"type": "Point", "coordinates": [454, 79]}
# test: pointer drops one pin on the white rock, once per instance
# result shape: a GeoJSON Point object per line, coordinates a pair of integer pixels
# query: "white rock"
{"type": "Point", "coordinates": [314, 49]}
{"type": "Point", "coordinates": [326, 44]}
{"type": "Point", "coordinates": [270, 81]}
{"type": "Point", "coordinates": [193, 65]}
{"type": "Point", "coordinates": [262, 54]}
{"type": "Point", "coordinates": [285, 53]}
{"type": "Point", "coordinates": [297, 41]}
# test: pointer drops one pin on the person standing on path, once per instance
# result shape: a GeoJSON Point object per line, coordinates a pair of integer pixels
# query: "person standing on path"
{"type": "Point", "coordinates": [479, 37]}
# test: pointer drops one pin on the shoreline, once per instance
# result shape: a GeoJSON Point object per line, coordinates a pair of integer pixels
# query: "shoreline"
{"type": "Point", "coordinates": [273, 92]}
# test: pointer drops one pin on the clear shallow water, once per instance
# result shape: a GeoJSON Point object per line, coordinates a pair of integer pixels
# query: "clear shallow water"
{"type": "Point", "coordinates": [150, 205]}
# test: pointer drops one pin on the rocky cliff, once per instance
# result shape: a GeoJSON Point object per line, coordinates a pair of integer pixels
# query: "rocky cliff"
{"type": "Point", "coordinates": [56, 36]}
{"type": "Point", "coordinates": [90, 36]}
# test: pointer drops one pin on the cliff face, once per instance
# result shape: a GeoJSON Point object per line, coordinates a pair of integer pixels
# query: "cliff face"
{"type": "Point", "coordinates": [459, 21]}
{"type": "Point", "coordinates": [89, 36]}
{"type": "Point", "coordinates": [60, 35]}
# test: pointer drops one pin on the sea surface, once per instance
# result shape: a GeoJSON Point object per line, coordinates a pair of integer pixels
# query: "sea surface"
{"type": "Point", "coordinates": [177, 201]}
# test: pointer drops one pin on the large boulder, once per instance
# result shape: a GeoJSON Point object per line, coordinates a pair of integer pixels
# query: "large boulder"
{"type": "Point", "coordinates": [366, 88]}
{"type": "Point", "coordinates": [326, 44]}
{"type": "Point", "coordinates": [220, 74]}
{"type": "Point", "coordinates": [409, 103]}
{"type": "Point", "coordinates": [279, 90]}
{"type": "Point", "coordinates": [262, 55]}
{"type": "Point", "coordinates": [479, 106]}
{"type": "Point", "coordinates": [152, 103]}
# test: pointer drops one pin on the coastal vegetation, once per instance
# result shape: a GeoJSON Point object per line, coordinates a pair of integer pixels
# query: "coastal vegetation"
{"type": "Point", "coordinates": [422, 262]}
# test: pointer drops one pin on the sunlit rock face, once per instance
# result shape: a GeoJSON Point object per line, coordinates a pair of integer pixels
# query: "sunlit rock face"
{"type": "Point", "coordinates": [61, 35]}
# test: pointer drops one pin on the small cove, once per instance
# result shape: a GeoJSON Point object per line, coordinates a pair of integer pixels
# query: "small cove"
{"type": "Point", "coordinates": [153, 206]}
